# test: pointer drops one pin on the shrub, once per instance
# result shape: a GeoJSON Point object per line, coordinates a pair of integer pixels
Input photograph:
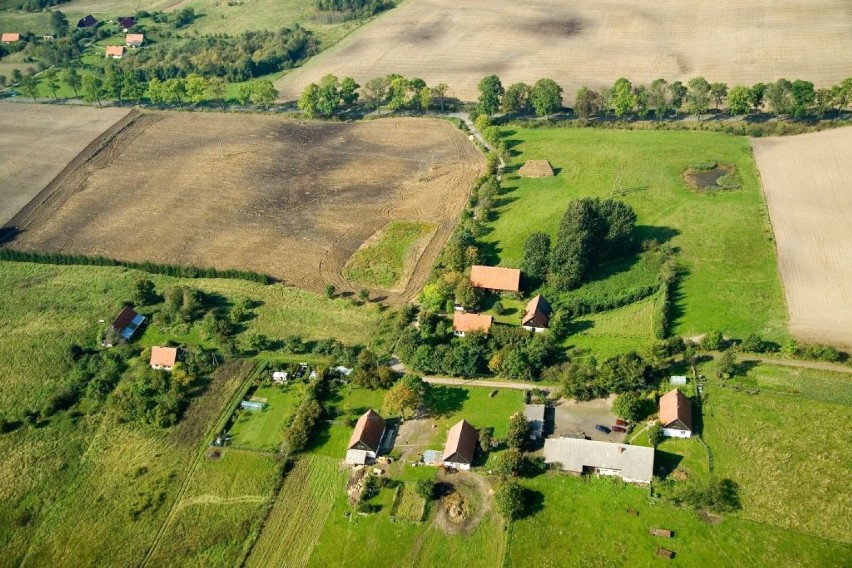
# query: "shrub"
{"type": "Point", "coordinates": [655, 434]}
{"type": "Point", "coordinates": [519, 430]}
{"type": "Point", "coordinates": [509, 500]}
{"type": "Point", "coordinates": [425, 488]}
{"type": "Point", "coordinates": [712, 341]}
{"type": "Point", "coordinates": [753, 343]}
{"type": "Point", "coordinates": [627, 406]}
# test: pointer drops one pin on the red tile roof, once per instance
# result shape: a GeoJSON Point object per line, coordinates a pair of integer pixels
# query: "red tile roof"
{"type": "Point", "coordinates": [10, 37]}
{"type": "Point", "coordinates": [114, 51]}
{"type": "Point", "coordinates": [163, 356]}
{"type": "Point", "coordinates": [674, 406]}
{"type": "Point", "coordinates": [134, 38]}
{"type": "Point", "coordinates": [495, 278]}
{"type": "Point", "coordinates": [466, 323]}
{"type": "Point", "coordinates": [368, 431]}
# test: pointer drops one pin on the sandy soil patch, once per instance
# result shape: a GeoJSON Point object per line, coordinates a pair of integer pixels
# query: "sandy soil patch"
{"type": "Point", "coordinates": [38, 141]}
{"type": "Point", "coordinates": [806, 180]}
{"type": "Point", "coordinates": [278, 196]}
{"type": "Point", "coordinates": [593, 43]}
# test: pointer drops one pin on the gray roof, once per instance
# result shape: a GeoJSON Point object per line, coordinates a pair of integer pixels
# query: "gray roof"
{"type": "Point", "coordinates": [534, 414]}
{"type": "Point", "coordinates": [636, 463]}
{"type": "Point", "coordinates": [356, 457]}
{"type": "Point", "coordinates": [433, 457]}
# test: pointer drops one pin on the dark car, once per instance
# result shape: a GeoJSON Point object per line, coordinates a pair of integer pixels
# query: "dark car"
{"type": "Point", "coordinates": [602, 428]}
{"type": "Point", "coordinates": [618, 429]}
{"type": "Point", "coordinates": [620, 422]}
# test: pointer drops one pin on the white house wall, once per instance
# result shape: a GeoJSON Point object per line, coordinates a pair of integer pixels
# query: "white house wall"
{"type": "Point", "coordinates": [674, 433]}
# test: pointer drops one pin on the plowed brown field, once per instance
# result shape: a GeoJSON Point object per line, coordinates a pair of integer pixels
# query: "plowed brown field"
{"type": "Point", "coordinates": [282, 197]}
{"type": "Point", "coordinates": [38, 141]}
{"type": "Point", "coordinates": [807, 184]}
{"type": "Point", "coordinates": [593, 42]}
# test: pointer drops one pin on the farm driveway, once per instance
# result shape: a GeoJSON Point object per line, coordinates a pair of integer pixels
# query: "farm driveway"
{"type": "Point", "coordinates": [574, 417]}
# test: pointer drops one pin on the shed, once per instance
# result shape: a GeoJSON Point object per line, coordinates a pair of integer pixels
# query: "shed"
{"type": "Point", "coordinates": [495, 278]}
{"type": "Point", "coordinates": [676, 414]}
{"type": "Point", "coordinates": [115, 51]}
{"type": "Point", "coordinates": [678, 380]}
{"type": "Point", "coordinates": [464, 323]}
{"type": "Point", "coordinates": [134, 40]}
{"type": "Point", "coordinates": [280, 376]}
{"type": "Point", "coordinates": [127, 322]}
{"type": "Point", "coordinates": [461, 446]}
{"type": "Point", "coordinates": [10, 37]}
{"type": "Point", "coordinates": [368, 433]}
{"type": "Point", "coordinates": [356, 457]}
{"type": "Point", "coordinates": [252, 404]}
{"type": "Point", "coordinates": [163, 358]}
{"type": "Point", "coordinates": [537, 314]}
{"type": "Point", "coordinates": [534, 413]}
{"type": "Point", "coordinates": [631, 463]}
{"type": "Point", "coordinates": [536, 168]}
{"type": "Point", "coordinates": [432, 457]}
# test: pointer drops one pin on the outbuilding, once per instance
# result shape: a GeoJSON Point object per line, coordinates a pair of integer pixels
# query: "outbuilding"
{"type": "Point", "coordinates": [134, 40]}
{"type": "Point", "coordinates": [676, 414]}
{"type": "Point", "coordinates": [88, 22]}
{"type": "Point", "coordinates": [115, 51]}
{"type": "Point", "coordinates": [461, 446]}
{"type": "Point", "coordinates": [534, 413]}
{"type": "Point", "coordinates": [10, 37]}
{"type": "Point", "coordinates": [126, 323]}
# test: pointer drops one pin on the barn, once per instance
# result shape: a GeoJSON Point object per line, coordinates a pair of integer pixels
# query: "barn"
{"type": "Point", "coordinates": [461, 446]}
{"type": "Point", "coordinates": [495, 278]}
{"type": "Point", "coordinates": [634, 464]}
{"type": "Point", "coordinates": [127, 322]}
{"type": "Point", "coordinates": [676, 414]}
{"type": "Point", "coordinates": [366, 438]}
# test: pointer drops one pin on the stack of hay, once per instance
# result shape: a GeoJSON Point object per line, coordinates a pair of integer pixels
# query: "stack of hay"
{"type": "Point", "coordinates": [536, 168]}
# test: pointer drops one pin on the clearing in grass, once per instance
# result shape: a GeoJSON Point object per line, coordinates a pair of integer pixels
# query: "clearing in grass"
{"type": "Point", "coordinates": [386, 259]}
{"type": "Point", "coordinates": [729, 280]}
{"type": "Point", "coordinates": [264, 429]}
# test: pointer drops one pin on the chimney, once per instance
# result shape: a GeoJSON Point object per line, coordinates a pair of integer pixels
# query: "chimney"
{"type": "Point", "coordinates": [620, 449]}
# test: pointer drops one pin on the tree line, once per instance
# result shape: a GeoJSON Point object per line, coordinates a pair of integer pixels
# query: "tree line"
{"type": "Point", "coordinates": [794, 99]}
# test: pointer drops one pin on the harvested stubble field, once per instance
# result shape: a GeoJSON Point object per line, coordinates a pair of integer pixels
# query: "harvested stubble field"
{"type": "Point", "coordinates": [593, 43]}
{"type": "Point", "coordinates": [38, 142]}
{"type": "Point", "coordinates": [806, 182]}
{"type": "Point", "coordinates": [282, 197]}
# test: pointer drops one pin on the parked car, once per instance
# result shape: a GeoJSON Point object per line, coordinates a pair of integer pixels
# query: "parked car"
{"type": "Point", "coordinates": [602, 428]}
{"type": "Point", "coordinates": [620, 422]}
{"type": "Point", "coordinates": [618, 429]}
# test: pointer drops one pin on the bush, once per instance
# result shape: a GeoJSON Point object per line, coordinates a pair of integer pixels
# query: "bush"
{"type": "Point", "coordinates": [425, 488]}
{"type": "Point", "coordinates": [712, 341]}
{"type": "Point", "coordinates": [627, 406]}
{"type": "Point", "coordinates": [655, 434]}
{"type": "Point", "coordinates": [509, 500]}
{"type": "Point", "coordinates": [820, 353]}
{"type": "Point", "coordinates": [753, 343]}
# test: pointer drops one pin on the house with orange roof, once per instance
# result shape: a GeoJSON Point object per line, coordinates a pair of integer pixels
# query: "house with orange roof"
{"type": "Point", "coordinates": [115, 51]}
{"type": "Point", "coordinates": [10, 37]}
{"type": "Point", "coordinates": [461, 446]}
{"type": "Point", "coordinates": [134, 40]}
{"type": "Point", "coordinates": [163, 358]}
{"type": "Point", "coordinates": [464, 323]}
{"type": "Point", "coordinates": [676, 414]}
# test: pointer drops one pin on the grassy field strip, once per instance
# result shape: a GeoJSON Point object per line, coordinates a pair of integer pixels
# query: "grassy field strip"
{"type": "Point", "coordinates": [389, 255]}
{"type": "Point", "coordinates": [199, 457]}
{"type": "Point", "coordinates": [298, 516]}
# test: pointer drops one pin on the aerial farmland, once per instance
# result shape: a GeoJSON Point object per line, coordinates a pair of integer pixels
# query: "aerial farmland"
{"type": "Point", "coordinates": [491, 284]}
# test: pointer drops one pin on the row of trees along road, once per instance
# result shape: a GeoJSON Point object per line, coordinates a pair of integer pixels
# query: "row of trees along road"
{"type": "Point", "coordinates": [396, 92]}
{"type": "Point", "coordinates": [797, 99]}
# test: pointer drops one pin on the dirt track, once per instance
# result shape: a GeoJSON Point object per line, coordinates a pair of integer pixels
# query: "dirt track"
{"type": "Point", "coordinates": [38, 141]}
{"type": "Point", "coordinates": [593, 43]}
{"type": "Point", "coordinates": [288, 198]}
{"type": "Point", "coordinates": [807, 187]}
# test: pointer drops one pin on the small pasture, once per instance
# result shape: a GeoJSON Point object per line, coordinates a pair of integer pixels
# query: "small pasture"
{"type": "Point", "coordinates": [590, 43]}
{"type": "Point", "coordinates": [388, 257]}
{"type": "Point", "coordinates": [264, 429]}
{"type": "Point", "coordinates": [292, 199]}
{"type": "Point", "coordinates": [729, 280]}
{"type": "Point", "coordinates": [806, 182]}
{"type": "Point", "coordinates": [38, 142]}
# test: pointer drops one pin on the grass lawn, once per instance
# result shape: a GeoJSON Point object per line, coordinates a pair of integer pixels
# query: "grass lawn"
{"type": "Point", "coordinates": [264, 429]}
{"type": "Point", "coordinates": [451, 404]}
{"type": "Point", "coordinates": [789, 453]}
{"type": "Point", "coordinates": [383, 261]}
{"type": "Point", "coordinates": [609, 333]}
{"type": "Point", "coordinates": [576, 521]}
{"type": "Point", "coordinates": [221, 508]}
{"type": "Point", "coordinates": [731, 281]}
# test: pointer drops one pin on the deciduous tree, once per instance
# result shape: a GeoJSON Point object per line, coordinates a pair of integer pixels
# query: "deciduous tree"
{"type": "Point", "coordinates": [698, 98]}
{"type": "Point", "coordinates": [490, 93]}
{"type": "Point", "coordinates": [587, 103]}
{"type": "Point", "coordinates": [516, 99]}
{"type": "Point", "coordinates": [623, 99]}
{"type": "Point", "coordinates": [739, 100]}
{"type": "Point", "coordinates": [537, 255]}
{"type": "Point", "coordinates": [546, 97]}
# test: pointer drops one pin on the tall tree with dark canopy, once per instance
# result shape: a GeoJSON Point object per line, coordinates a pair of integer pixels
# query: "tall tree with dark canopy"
{"type": "Point", "coordinates": [546, 97]}
{"type": "Point", "coordinates": [490, 94]}
{"type": "Point", "coordinates": [698, 97]}
{"type": "Point", "coordinates": [537, 255]}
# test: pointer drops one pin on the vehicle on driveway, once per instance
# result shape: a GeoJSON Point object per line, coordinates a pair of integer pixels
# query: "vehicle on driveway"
{"type": "Point", "coordinates": [618, 429]}
{"type": "Point", "coordinates": [602, 428]}
{"type": "Point", "coordinates": [620, 422]}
